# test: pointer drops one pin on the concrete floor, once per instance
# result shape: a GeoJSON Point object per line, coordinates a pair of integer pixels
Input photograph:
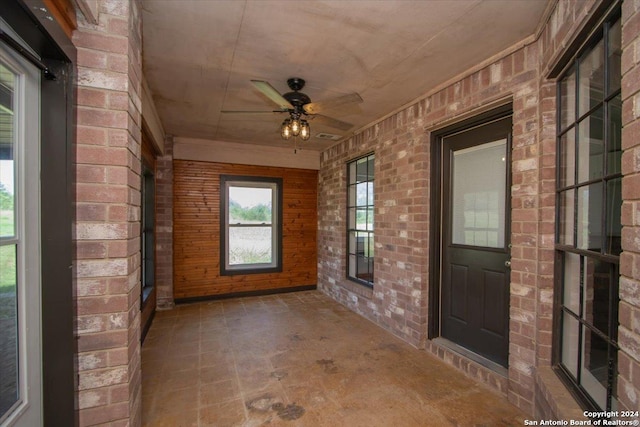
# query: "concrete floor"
{"type": "Point", "coordinates": [300, 359]}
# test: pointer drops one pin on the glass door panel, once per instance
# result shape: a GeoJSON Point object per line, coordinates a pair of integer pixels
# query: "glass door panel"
{"type": "Point", "coordinates": [479, 189]}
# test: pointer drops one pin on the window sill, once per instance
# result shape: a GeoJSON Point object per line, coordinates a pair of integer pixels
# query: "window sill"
{"type": "Point", "coordinates": [557, 399]}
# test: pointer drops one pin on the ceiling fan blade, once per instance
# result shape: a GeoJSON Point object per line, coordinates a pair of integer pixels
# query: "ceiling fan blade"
{"type": "Point", "coordinates": [249, 112]}
{"type": "Point", "coordinates": [330, 104]}
{"type": "Point", "coordinates": [271, 93]}
{"type": "Point", "coordinates": [331, 122]}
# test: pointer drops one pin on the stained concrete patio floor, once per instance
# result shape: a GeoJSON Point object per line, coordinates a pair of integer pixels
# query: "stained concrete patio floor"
{"type": "Point", "coordinates": [300, 359]}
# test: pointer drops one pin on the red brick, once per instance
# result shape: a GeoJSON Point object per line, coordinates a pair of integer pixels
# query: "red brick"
{"type": "Point", "coordinates": [87, 250]}
{"type": "Point", "coordinates": [101, 156]}
{"type": "Point", "coordinates": [101, 193]}
{"type": "Point", "coordinates": [102, 340]}
{"type": "Point", "coordinates": [91, 212]}
{"type": "Point", "coordinates": [92, 58]}
{"type": "Point", "coordinates": [91, 136]}
{"type": "Point", "coordinates": [102, 118]}
{"type": "Point", "coordinates": [99, 305]}
{"type": "Point", "coordinates": [101, 42]}
{"type": "Point", "coordinates": [91, 97]}
{"type": "Point", "coordinates": [91, 174]}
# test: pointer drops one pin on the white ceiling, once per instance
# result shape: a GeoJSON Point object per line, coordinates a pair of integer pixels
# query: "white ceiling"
{"type": "Point", "coordinates": [200, 55]}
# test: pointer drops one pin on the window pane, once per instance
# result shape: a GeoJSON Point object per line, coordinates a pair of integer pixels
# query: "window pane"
{"type": "Point", "coordinates": [567, 158]}
{"type": "Point", "coordinates": [594, 367]}
{"type": "Point", "coordinates": [597, 276]}
{"type": "Point", "coordinates": [9, 393]}
{"type": "Point", "coordinates": [614, 207]}
{"type": "Point", "coordinates": [615, 57]}
{"type": "Point", "coordinates": [478, 191]}
{"type": "Point", "coordinates": [591, 90]}
{"type": "Point", "coordinates": [591, 147]}
{"type": "Point", "coordinates": [570, 333]}
{"type": "Point", "coordinates": [250, 245]}
{"type": "Point", "coordinates": [362, 171]}
{"type": "Point", "coordinates": [589, 226]}
{"type": "Point", "coordinates": [365, 268]}
{"type": "Point", "coordinates": [352, 195]}
{"type": "Point", "coordinates": [614, 154]}
{"type": "Point", "coordinates": [7, 151]}
{"type": "Point", "coordinates": [352, 242]}
{"type": "Point", "coordinates": [567, 100]}
{"type": "Point", "coordinates": [565, 234]}
{"type": "Point", "coordinates": [362, 198]}
{"type": "Point", "coordinates": [361, 219]}
{"type": "Point", "coordinates": [250, 205]}
{"type": "Point", "coordinates": [571, 284]}
{"type": "Point", "coordinates": [370, 219]}
{"type": "Point", "coordinates": [370, 168]}
{"type": "Point", "coordinates": [370, 193]}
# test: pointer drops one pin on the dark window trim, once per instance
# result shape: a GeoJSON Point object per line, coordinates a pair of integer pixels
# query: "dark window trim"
{"type": "Point", "coordinates": [596, 31]}
{"type": "Point", "coordinates": [147, 280]}
{"type": "Point", "coordinates": [223, 225]}
{"type": "Point", "coordinates": [366, 283]}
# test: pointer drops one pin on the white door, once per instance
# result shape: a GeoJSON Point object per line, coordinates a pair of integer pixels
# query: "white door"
{"type": "Point", "coordinates": [20, 308]}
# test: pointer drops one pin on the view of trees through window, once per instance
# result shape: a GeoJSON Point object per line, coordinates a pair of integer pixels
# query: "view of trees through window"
{"type": "Point", "coordinates": [7, 253]}
{"type": "Point", "coordinates": [250, 225]}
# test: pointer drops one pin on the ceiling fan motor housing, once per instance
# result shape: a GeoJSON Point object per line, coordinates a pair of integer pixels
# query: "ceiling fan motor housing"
{"type": "Point", "coordinates": [295, 98]}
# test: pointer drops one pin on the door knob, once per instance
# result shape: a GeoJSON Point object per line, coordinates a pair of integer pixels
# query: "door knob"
{"type": "Point", "coordinates": [507, 263]}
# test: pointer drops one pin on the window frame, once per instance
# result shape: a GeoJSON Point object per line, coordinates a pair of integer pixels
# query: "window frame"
{"type": "Point", "coordinates": [147, 231]}
{"type": "Point", "coordinates": [606, 256]}
{"type": "Point", "coordinates": [352, 227]}
{"type": "Point", "coordinates": [274, 183]}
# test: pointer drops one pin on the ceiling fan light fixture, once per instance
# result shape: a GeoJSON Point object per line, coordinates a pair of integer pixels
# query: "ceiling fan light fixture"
{"type": "Point", "coordinates": [295, 127]}
{"type": "Point", "coordinates": [305, 130]}
{"type": "Point", "coordinates": [285, 130]}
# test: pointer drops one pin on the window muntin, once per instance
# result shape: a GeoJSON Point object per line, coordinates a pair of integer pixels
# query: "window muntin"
{"type": "Point", "coordinates": [360, 212]}
{"type": "Point", "coordinates": [251, 225]}
{"type": "Point", "coordinates": [588, 230]}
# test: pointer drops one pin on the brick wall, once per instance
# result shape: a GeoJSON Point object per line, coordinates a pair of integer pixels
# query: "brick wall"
{"type": "Point", "coordinates": [629, 314]}
{"type": "Point", "coordinates": [108, 211]}
{"type": "Point", "coordinates": [164, 226]}
{"type": "Point", "coordinates": [399, 300]}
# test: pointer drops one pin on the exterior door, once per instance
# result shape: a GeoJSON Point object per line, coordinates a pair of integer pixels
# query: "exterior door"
{"type": "Point", "coordinates": [475, 239]}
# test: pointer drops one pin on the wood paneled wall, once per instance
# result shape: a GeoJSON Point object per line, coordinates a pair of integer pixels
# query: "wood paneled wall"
{"type": "Point", "coordinates": [197, 230]}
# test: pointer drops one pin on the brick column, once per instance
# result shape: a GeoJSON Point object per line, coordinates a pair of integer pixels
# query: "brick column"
{"type": "Point", "coordinates": [164, 227]}
{"type": "Point", "coordinates": [629, 314]}
{"type": "Point", "coordinates": [108, 214]}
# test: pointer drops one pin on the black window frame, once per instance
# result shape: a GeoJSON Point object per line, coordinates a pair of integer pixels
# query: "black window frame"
{"type": "Point", "coordinates": [353, 251]}
{"type": "Point", "coordinates": [595, 291]}
{"type": "Point", "coordinates": [277, 217]}
{"type": "Point", "coordinates": [147, 232]}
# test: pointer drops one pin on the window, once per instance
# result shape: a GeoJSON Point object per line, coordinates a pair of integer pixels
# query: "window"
{"type": "Point", "coordinates": [588, 229]}
{"type": "Point", "coordinates": [20, 260]}
{"type": "Point", "coordinates": [360, 220]}
{"type": "Point", "coordinates": [251, 225]}
{"type": "Point", "coordinates": [148, 231]}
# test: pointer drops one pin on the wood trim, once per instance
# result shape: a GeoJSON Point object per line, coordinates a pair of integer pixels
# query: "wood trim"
{"type": "Point", "coordinates": [149, 152]}
{"type": "Point", "coordinates": [65, 14]}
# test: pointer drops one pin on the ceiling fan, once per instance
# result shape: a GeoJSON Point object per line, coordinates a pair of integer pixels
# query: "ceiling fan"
{"type": "Point", "coordinates": [300, 107]}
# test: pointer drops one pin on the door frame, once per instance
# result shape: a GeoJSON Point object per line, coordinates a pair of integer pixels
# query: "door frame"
{"type": "Point", "coordinates": [435, 211]}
